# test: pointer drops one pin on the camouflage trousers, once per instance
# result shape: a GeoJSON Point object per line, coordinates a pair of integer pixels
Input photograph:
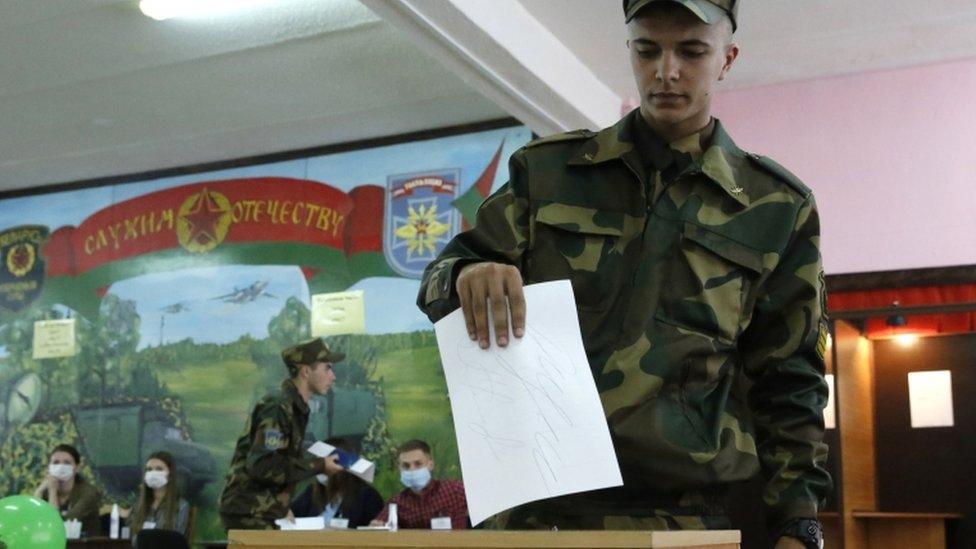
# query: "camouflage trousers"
{"type": "Point", "coordinates": [245, 522]}
{"type": "Point", "coordinates": [692, 511]}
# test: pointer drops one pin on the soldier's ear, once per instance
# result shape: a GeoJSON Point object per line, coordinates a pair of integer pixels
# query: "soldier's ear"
{"type": "Point", "coordinates": [731, 54]}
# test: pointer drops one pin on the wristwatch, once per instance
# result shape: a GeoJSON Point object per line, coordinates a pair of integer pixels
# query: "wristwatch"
{"type": "Point", "coordinates": [808, 531]}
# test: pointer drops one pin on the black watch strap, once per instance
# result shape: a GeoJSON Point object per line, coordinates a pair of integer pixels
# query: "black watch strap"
{"type": "Point", "coordinates": [808, 531]}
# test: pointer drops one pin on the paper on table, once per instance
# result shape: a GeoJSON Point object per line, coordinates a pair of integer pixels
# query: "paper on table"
{"type": "Point", "coordinates": [528, 417]}
{"type": "Point", "coordinates": [302, 523]}
{"type": "Point", "coordinates": [361, 467]}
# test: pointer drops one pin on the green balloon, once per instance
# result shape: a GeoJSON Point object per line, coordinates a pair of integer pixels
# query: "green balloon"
{"type": "Point", "coordinates": [27, 522]}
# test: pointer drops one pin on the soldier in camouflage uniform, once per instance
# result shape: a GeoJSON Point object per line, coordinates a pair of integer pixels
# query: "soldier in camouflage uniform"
{"type": "Point", "coordinates": [270, 458]}
{"type": "Point", "coordinates": [697, 276]}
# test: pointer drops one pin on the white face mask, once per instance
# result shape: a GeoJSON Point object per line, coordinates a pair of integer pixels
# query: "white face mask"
{"type": "Point", "coordinates": [156, 479]}
{"type": "Point", "coordinates": [323, 479]}
{"type": "Point", "coordinates": [61, 471]}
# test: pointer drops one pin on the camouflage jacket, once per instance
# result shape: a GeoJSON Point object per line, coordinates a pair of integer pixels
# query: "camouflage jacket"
{"type": "Point", "coordinates": [679, 291]}
{"type": "Point", "coordinates": [270, 458]}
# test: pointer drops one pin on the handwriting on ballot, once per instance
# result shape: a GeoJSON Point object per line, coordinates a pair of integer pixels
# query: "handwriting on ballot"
{"type": "Point", "coordinates": [528, 416]}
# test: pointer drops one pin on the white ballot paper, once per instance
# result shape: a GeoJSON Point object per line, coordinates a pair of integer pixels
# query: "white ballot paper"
{"type": "Point", "coordinates": [528, 417]}
{"type": "Point", "coordinates": [302, 523]}
{"type": "Point", "coordinates": [359, 466]}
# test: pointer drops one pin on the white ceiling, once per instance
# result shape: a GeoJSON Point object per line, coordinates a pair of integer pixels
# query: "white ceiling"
{"type": "Point", "coordinates": [784, 40]}
{"type": "Point", "coordinates": [92, 88]}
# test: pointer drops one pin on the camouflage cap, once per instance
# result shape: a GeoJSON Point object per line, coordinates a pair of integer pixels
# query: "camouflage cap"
{"type": "Point", "coordinates": [709, 11]}
{"type": "Point", "coordinates": [308, 353]}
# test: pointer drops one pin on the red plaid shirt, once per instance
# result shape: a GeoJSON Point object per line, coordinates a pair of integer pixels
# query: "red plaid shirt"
{"type": "Point", "coordinates": [440, 498]}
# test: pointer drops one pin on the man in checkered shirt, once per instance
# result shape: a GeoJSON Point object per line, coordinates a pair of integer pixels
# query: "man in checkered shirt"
{"type": "Point", "coordinates": [425, 502]}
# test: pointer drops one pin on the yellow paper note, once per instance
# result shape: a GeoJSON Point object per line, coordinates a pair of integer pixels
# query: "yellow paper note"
{"type": "Point", "coordinates": [54, 338]}
{"type": "Point", "coordinates": [338, 313]}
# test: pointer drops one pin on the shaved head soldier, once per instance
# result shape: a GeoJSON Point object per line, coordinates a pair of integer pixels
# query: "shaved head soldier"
{"type": "Point", "coordinates": [698, 282]}
{"type": "Point", "coordinates": [270, 458]}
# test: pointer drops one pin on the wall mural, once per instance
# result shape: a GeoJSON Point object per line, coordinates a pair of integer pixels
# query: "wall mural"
{"type": "Point", "coordinates": [185, 289]}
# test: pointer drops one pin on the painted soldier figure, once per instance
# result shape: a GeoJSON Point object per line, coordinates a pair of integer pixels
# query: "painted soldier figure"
{"type": "Point", "coordinates": [699, 289]}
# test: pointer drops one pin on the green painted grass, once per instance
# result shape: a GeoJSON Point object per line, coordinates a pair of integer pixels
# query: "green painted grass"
{"type": "Point", "coordinates": [417, 403]}
{"type": "Point", "coordinates": [216, 399]}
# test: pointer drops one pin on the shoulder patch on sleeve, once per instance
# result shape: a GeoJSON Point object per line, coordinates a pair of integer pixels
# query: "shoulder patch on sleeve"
{"type": "Point", "coordinates": [781, 173]}
{"type": "Point", "coordinates": [274, 440]}
{"type": "Point", "coordinates": [822, 338]}
{"type": "Point", "coordinates": [559, 137]}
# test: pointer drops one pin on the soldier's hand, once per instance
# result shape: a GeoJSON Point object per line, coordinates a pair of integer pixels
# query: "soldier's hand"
{"type": "Point", "coordinates": [332, 465]}
{"type": "Point", "coordinates": [375, 522]}
{"type": "Point", "coordinates": [290, 517]}
{"type": "Point", "coordinates": [481, 285]}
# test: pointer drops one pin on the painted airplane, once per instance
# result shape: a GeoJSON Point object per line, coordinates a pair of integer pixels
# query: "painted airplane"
{"type": "Point", "coordinates": [246, 294]}
{"type": "Point", "coordinates": [175, 308]}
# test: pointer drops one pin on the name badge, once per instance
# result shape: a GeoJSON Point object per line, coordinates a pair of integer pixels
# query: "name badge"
{"type": "Point", "coordinates": [148, 525]}
{"type": "Point", "coordinates": [339, 523]}
{"type": "Point", "coordinates": [440, 523]}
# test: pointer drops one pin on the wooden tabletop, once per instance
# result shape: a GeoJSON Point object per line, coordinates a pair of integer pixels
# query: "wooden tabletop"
{"type": "Point", "coordinates": [563, 539]}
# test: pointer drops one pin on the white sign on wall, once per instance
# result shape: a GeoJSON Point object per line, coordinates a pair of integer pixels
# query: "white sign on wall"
{"type": "Point", "coordinates": [54, 338]}
{"type": "Point", "coordinates": [338, 313]}
{"type": "Point", "coordinates": [930, 398]}
{"type": "Point", "coordinates": [830, 414]}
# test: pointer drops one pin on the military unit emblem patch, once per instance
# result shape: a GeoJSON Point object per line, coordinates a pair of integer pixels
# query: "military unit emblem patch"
{"type": "Point", "coordinates": [419, 219]}
{"type": "Point", "coordinates": [22, 274]}
{"type": "Point", "coordinates": [274, 440]}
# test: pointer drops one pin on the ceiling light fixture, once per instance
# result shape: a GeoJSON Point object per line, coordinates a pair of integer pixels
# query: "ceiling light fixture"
{"type": "Point", "coordinates": [906, 340]}
{"type": "Point", "coordinates": [168, 9]}
{"type": "Point", "coordinates": [896, 321]}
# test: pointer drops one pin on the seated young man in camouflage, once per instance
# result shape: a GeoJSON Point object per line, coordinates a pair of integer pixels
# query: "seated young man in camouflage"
{"type": "Point", "coordinates": [270, 458]}
{"type": "Point", "coordinates": [698, 283]}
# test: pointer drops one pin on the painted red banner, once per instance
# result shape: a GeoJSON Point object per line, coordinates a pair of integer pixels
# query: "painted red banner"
{"type": "Point", "coordinates": [201, 217]}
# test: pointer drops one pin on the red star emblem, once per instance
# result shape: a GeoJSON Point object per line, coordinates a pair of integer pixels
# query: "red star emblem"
{"type": "Point", "coordinates": [203, 218]}
{"type": "Point", "coordinates": [421, 227]}
{"type": "Point", "coordinates": [21, 257]}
